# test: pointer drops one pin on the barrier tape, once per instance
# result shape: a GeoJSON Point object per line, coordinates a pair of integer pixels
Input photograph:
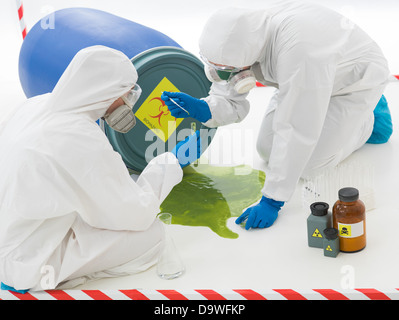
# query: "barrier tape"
{"type": "Point", "coordinates": [22, 23]}
{"type": "Point", "coordinates": [237, 294]}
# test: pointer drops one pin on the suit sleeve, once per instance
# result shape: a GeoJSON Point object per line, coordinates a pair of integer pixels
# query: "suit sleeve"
{"type": "Point", "coordinates": [111, 199]}
{"type": "Point", "coordinates": [226, 105]}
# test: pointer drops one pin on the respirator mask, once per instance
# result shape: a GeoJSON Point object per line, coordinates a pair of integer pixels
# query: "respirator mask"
{"type": "Point", "coordinates": [122, 119]}
{"type": "Point", "coordinates": [242, 79]}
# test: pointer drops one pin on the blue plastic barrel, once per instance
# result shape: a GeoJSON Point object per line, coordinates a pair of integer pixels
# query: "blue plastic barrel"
{"type": "Point", "coordinates": [46, 52]}
{"type": "Point", "coordinates": [162, 65]}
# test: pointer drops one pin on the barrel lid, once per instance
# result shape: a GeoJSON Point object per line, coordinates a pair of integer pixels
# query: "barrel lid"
{"type": "Point", "coordinates": [348, 194]}
{"type": "Point", "coordinates": [319, 208]}
{"type": "Point", "coordinates": [160, 69]}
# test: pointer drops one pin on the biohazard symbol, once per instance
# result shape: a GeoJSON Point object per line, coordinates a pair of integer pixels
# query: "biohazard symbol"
{"type": "Point", "coordinates": [164, 111]}
{"type": "Point", "coordinates": [154, 113]}
{"type": "Point", "coordinates": [317, 234]}
{"type": "Point", "coordinates": [328, 248]}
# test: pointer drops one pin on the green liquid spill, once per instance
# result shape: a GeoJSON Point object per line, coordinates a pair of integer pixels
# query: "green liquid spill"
{"type": "Point", "coordinates": [208, 196]}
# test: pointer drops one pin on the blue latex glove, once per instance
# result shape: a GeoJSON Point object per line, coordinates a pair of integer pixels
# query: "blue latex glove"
{"type": "Point", "coordinates": [188, 150]}
{"type": "Point", "coordinates": [5, 287]}
{"type": "Point", "coordinates": [196, 108]}
{"type": "Point", "coordinates": [383, 128]}
{"type": "Point", "coordinates": [261, 215]}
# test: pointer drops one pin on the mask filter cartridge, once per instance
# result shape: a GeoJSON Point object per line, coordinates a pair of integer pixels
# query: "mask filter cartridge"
{"type": "Point", "coordinates": [243, 81]}
{"type": "Point", "coordinates": [121, 119]}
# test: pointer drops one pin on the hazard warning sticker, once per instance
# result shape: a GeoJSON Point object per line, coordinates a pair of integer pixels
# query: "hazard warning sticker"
{"type": "Point", "coordinates": [317, 234]}
{"type": "Point", "coordinates": [156, 115]}
{"type": "Point", "coordinates": [351, 230]}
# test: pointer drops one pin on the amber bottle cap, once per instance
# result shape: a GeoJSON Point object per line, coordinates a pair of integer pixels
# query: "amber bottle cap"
{"type": "Point", "coordinates": [348, 194]}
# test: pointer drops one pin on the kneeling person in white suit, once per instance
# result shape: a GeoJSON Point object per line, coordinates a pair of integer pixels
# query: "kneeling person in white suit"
{"type": "Point", "coordinates": [329, 78]}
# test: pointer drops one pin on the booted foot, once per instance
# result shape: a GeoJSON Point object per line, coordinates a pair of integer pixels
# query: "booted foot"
{"type": "Point", "coordinates": [382, 130]}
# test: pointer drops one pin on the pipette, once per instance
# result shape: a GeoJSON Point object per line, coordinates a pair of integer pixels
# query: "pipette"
{"type": "Point", "coordinates": [179, 105]}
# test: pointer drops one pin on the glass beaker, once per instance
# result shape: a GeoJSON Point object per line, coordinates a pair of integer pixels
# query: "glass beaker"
{"type": "Point", "coordinates": [169, 264]}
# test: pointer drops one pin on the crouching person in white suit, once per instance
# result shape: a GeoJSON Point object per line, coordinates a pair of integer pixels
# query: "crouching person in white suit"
{"type": "Point", "coordinates": [67, 202]}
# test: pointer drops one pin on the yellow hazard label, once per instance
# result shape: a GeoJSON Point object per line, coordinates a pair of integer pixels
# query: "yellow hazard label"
{"type": "Point", "coordinates": [328, 248]}
{"type": "Point", "coordinates": [345, 230]}
{"type": "Point", "coordinates": [317, 234]}
{"type": "Point", "coordinates": [156, 115]}
{"type": "Point", "coordinates": [351, 230]}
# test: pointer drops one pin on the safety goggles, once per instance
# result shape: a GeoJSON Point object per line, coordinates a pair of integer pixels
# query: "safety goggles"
{"type": "Point", "coordinates": [223, 68]}
{"type": "Point", "coordinates": [132, 96]}
{"type": "Point", "coordinates": [224, 72]}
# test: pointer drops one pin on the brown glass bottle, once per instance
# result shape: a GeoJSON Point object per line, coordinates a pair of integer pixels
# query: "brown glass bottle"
{"type": "Point", "coordinates": [349, 217]}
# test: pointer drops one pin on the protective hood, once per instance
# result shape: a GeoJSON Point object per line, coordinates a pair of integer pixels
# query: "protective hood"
{"type": "Point", "coordinates": [234, 36]}
{"type": "Point", "coordinates": [94, 79]}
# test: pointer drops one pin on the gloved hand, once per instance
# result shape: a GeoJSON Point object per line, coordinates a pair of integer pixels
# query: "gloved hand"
{"type": "Point", "coordinates": [196, 108]}
{"type": "Point", "coordinates": [261, 215]}
{"type": "Point", "coordinates": [188, 150]}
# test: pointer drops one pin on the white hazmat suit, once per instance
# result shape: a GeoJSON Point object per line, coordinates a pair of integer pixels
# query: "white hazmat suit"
{"type": "Point", "coordinates": [329, 76]}
{"type": "Point", "coordinates": [69, 210]}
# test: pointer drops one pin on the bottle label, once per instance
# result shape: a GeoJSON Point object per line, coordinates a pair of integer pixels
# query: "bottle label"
{"type": "Point", "coordinates": [351, 230]}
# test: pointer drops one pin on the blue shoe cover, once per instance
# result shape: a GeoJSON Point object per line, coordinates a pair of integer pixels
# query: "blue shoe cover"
{"type": "Point", "coordinates": [383, 128]}
{"type": "Point", "coordinates": [5, 287]}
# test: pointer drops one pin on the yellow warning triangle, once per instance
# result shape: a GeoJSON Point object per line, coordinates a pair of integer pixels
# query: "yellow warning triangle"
{"type": "Point", "coordinates": [328, 248]}
{"type": "Point", "coordinates": [317, 234]}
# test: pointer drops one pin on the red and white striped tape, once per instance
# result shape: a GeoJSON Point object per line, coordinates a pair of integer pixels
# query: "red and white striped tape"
{"type": "Point", "coordinates": [22, 23]}
{"type": "Point", "coordinates": [236, 294]}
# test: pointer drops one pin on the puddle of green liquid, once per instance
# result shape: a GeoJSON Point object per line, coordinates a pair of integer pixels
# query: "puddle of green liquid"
{"type": "Point", "coordinates": [208, 196]}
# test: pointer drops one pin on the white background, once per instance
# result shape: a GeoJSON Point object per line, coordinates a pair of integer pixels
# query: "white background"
{"type": "Point", "coordinates": [277, 257]}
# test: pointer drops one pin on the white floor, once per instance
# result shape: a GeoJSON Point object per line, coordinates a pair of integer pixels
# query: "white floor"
{"type": "Point", "coordinates": [277, 257]}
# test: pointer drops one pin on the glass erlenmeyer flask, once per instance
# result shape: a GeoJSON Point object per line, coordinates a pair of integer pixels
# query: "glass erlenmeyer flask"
{"type": "Point", "coordinates": [169, 264]}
